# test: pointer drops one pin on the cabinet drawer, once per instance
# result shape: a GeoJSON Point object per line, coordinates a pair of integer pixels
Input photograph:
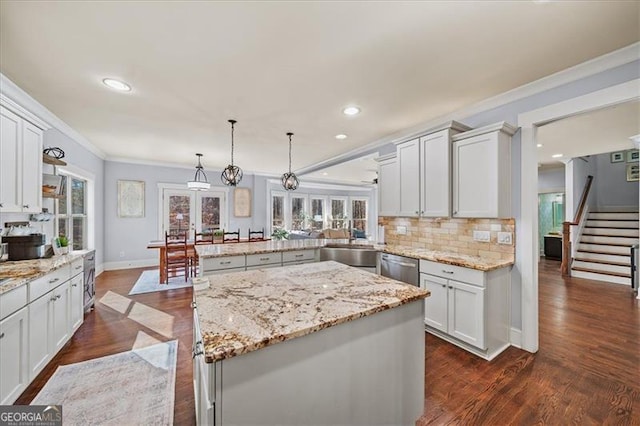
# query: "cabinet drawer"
{"type": "Point", "coordinates": [217, 263]}
{"type": "Point", "coordinates": [264, 259]}
{"type": "Point", "coordinates": [12, 300]}
{"type": "Point", "coordinates": [77, 267]}
{"type": "Point", "coordinates": [452, 272]}
{"type": "Point", "coordinates": [42, 285]}
{"type": "Point", "coordinates": [298, 255]}
{"type": "Point", "coordinates": [220, 271]}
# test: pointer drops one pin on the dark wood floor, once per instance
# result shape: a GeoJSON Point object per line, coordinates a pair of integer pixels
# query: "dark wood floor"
{"type": "Point", "coordinates": [587, 370]}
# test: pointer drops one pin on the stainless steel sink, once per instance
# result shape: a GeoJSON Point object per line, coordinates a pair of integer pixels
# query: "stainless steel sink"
{"type": "Point", "coordinates": [363, 256]}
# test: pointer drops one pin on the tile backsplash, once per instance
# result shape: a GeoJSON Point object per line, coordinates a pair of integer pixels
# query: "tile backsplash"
{"type": "Point", "coordinates": [452, 235]}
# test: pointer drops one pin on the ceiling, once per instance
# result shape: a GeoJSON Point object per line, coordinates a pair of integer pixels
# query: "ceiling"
{"type": "Point", "coordinates": [362, 170]}
{"type": "Point", "coordinates": [596, 132]}
{"type": "Point", "coordinates": [286, 66]}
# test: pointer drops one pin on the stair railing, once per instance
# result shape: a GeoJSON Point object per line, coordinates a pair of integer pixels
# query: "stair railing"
{"type": "Point", "coordinates": [567, 255]}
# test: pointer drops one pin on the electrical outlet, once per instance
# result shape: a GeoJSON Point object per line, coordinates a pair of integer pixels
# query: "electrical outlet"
{"type": "Point", "coordinates": [121, 254]}
{"type": "Point", "coordinates": [401, 230]}
{"type": "Point", "coordinates": [505, 238]}
{"type": "Point", "coordinates": [483, 236]}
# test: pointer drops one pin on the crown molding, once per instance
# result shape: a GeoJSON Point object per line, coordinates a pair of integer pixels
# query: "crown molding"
{"type": "Point", "coordinates": [591, 67]}
{"type": "Point", "coordinates": [321, 185]}
{"type": "Point", "coordinates": [635, 140]}
{"type": "Point", "coordinates": [19, 97]}
{"type": "Point", "coordinates": [501, 126]}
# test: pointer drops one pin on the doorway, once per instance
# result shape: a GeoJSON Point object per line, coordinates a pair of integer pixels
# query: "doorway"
{"type": "Point", "coordinates": [192, 211]}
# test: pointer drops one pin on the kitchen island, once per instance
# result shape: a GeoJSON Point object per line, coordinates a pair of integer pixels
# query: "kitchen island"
{"type": "Point", "coordinates": [319, 343]}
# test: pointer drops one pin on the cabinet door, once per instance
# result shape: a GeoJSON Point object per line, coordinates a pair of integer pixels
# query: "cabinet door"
{"type": "Point", "coordinates": [60, 316]}
{"type": "Point", "coordinates": [76, 311]}
{"type": "Point", "coordinates": [388, 187]}
{"type": "Point", "coordinates": [475, 176]}
{"type": "Point", "coordinates": [10, 193]}
{"type": "Point", "coordinates": [39, 334]}
{"type": "Point", "coordinates": [435, 178]}
{"type": "Point", "coordinates": [31, 168]}
{"type": "Point", "coordinates": [14, 372]}
{"type": "Point", "coordinates": [435, 306]}
{"type": "Point", "coordinates": [466, 313]}
{"type": "Point", "coordinates": [408, 154]}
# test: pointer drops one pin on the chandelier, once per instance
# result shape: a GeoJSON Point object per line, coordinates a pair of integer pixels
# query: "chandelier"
{"type": "Point", "coordinates": [199, 182]}
{"type": "Point", "coordinates": [231, 175]}
{"type": "Point", "coordinates": [290, 180]}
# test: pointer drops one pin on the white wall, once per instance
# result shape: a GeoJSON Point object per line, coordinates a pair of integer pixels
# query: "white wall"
{"type": "Point", "coordinates": [612, 188]}
{"type": "Point", "coordinates": [551, 180]}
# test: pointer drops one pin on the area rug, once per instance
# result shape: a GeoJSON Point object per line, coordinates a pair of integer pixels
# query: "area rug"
{"type": "Point", "coordinates": [130, 388]}
{"type": "Point", "coordinates": [149, 281]}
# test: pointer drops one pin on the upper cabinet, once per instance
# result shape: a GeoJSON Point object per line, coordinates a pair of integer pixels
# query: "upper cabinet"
{"type": "Point", "coordinates": [388, 195]}
{"type": "Point", "coordinates": [424, 181]}
{"type": "Point", "coordinates": [482, 172]}
{"type": "Point", "coordinates": [21, 161]}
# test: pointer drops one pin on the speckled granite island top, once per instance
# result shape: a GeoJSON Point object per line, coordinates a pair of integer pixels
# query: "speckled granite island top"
{"type": "Point", "coordinates": [257, 247]}
{"type": "Point", "coordinates": [473, 262]}
{"type": "Point", "coordinates": [19, 273]}
{"type": "Point", "coordinates": [245, 311]}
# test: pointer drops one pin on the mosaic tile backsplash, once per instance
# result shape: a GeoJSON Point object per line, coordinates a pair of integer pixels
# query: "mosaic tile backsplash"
{"type": "Point", "coordinates": [452, 235]}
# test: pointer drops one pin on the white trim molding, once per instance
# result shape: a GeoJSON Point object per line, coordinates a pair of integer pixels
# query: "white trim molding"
{"type": "Point", "coordinates": [516, 337]}
{"type": "Point", "coordinates": [527, 251]}
{"type": "Point", "coordinates": [130, 264]}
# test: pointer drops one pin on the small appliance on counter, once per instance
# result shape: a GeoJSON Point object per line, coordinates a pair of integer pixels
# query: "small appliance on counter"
{"type": "Point", "coordinates": [22, 242]}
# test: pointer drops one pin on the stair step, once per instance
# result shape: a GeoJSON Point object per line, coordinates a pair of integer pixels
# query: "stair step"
{"type": "Point", "coordinates": [598, 255]}
{"type": "Point", "coordinates": [628, 224]}
{"type": "Point", "coordinates": [614, 215]}
{"type": "Point", "coordinates": [612, 241]}
{"type": "Point", "coordinates": [601, 277]}
{"type": "Point", "coordinates": [605, 248]}
{"type": "Point", "coordinates": [611, 232]}
{"type": "Point", "coordinates": [604, 262]}
{"type": "Point", "coordinates": [595, 271]}
{"type": "Point", "coordinates": [601, 268]}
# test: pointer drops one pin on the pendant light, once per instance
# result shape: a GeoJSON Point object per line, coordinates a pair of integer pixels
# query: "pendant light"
{"type": "Point", "coordinates": [199, 182]}
{"type": "Point", "coordinates": [289, 180]}
{"type": "Point", "coordinates": [231, 175]}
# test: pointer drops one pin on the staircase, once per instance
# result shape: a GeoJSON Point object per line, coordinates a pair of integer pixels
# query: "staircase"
{"type": "Point", "coordinates": [604, 251]}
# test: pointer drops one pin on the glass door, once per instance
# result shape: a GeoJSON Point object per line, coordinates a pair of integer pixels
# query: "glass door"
{"type": "Point", "coordinates": [189, 211]}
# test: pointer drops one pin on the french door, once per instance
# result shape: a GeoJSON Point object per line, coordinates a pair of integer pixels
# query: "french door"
{"type": "Point", "coordinates": [185, 210]}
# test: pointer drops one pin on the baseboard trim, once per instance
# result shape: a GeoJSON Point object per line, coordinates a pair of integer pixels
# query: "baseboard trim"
{"type": "Point", "coordinates": [99, 269]}
{"type": "Point", "coordinates": [516, 337]}
{"type": "Point", "coordinates": [130, 264]}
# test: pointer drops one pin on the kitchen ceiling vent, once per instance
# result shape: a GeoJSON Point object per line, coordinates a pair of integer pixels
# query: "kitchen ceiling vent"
{"type": "Point", "coordinates": [199, 182]}
{"type": "Point", "coordinates": [290, 180]}
{"type": "Point", "coordinates": [231, 175]}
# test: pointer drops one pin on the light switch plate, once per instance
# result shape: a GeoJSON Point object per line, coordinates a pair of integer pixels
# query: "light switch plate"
{"type": "Point", "coordinates": [484, 236]}
{"type": "Point", "coordinates": [505, 238]}
{"type": "Point", "coordinates": [401, 230]}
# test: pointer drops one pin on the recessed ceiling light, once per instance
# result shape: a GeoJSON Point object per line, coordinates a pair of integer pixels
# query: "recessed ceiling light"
{"type": "Point", "coordinates": [341, 136]}
{"type": "Point", "coordinates": [539, 145]}
{"type": "Point", "coordinates": [351, 110]}
{"type": "Point", "coordinates": [556, 155]}
{"type": "Point", "coordinates": [116, 85]}
{"type": "Point", "coordinates": [325, 174]}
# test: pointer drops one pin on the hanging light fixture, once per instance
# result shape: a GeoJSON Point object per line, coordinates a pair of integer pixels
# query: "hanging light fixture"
{"type": "Point", "coordinates": [231, 175]}
{"type": "Point", "coordinates": [199, 182]}
{"type": "Point", "coordinates": [290, 180]}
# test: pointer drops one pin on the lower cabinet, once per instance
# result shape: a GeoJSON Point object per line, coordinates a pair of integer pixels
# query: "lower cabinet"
{"type": "Point", "coordinates": [60, 329]}
{"type": "Point", "coordinates": [468, 307]}
{"type": "Point", "coordinates": [14, 371]}
{"type": "Point", "coordinates": [76, 312]}
{"type": "Point", "coordinates": [226, 264]}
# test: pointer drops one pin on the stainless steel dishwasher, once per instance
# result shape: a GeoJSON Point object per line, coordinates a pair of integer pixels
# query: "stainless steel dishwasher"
{"type": "Point", "coordinates": [400, 268]}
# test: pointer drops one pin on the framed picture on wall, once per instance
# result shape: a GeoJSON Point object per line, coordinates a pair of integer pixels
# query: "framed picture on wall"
{"type": "Point", "coordinates": [633, 172]}
{"type": "Point", "coordinates": [633, 156]}
{"type": "Point", "coordinates": [242, 202]}
{"type": "Point", "coordinates": [617, 157]}
{"type": "Point", "coordinates": [130, 198]}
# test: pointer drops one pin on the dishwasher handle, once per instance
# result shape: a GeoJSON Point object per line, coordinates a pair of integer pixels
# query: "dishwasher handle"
{"type": "Point", "coordinates": [409, 265]}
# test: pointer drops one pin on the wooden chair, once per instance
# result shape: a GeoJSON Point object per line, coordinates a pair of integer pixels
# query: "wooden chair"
{"type": "Point", "coordinates": [176, 256]}
{"type": "Point", "coordinates": [231, 237]}
{"type": "Point", "coordinates": [198, 239]}
{"type": "Point", "coordinates": [256, 235]}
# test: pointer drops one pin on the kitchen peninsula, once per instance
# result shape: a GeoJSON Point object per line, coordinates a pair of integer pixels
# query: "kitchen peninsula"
{"type": "Point", "coordinates": [320, 343]}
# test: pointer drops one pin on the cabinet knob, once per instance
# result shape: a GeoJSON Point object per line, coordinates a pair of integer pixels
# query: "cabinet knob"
{"type": "Point", "coordinates": [1, 205]}
{"type": "Point", "coordinates": [58, 297]}
{"type": "Point", "coordinates": [53, 298]}
{"type": "Point", "coordinates": [1, 335]}
{"type": "Point", "coordinates": [74, 285]}
{"type": "Point", "coordinates": [447, 272]}
{"type": "Point", "coordinates": [450, 286]}
{"type": "Point", "coordinates": [444, 285]}
{"type": "Point", "coordinates": [54, 280]}
{"type": "Point", "coordinates": [26, 206]}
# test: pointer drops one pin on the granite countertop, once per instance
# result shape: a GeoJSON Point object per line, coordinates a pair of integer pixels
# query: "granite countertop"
{"type": "Point", "coordinates": [473, 262]}
{"type": "Point", "coordinates": [20, 272]}
{"type": "Point", "coordinates": [245, 311]}
{"type": "Point", "coordinates": [238, 249]}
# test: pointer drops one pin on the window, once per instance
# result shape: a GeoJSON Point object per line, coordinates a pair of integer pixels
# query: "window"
{"type": "Point", "coordinates": [277, 212]}
{"type": "Point", "coordinates": [338, 213]}
{"type": "Point", "coordinates": [188, 211]}
{"type": "Point", "coordinates": [298, 213]}
{"type": "Point", "coordinates": [72, 212]}
{"type": "Point", "coordinates": [359, 209]}
{"type": "Point", "coordinates": [317, 214]}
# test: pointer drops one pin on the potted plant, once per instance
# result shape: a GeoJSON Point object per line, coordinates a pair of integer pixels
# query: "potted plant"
{"type": "Point", "coordinates": [280, 234]}
{"type": "Point", "coordinates": [63, 244]}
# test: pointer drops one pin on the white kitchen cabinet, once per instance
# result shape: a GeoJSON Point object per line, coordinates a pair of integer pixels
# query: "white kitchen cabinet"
{"type": "Point", "coordinates": [14, 371]}
{"type": "Point", "coordinates": [388, 184]}
{"type": "Point", "coordinates": [39, 347]}
{"type": "Point", "coordinates": [468, 307]}
{"type": "Point", "coordinates": [76, 312]}
{"type": "Point", "coordinates": [482, 172]}
{"type": "Point", "coordinates": [21, 161]}
{"type": "Point", "coordinates": [424, 173]}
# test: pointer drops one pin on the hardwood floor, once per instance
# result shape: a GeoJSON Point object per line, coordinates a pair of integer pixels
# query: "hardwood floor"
{"type": "Point", "coordinates": [587, 370]}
